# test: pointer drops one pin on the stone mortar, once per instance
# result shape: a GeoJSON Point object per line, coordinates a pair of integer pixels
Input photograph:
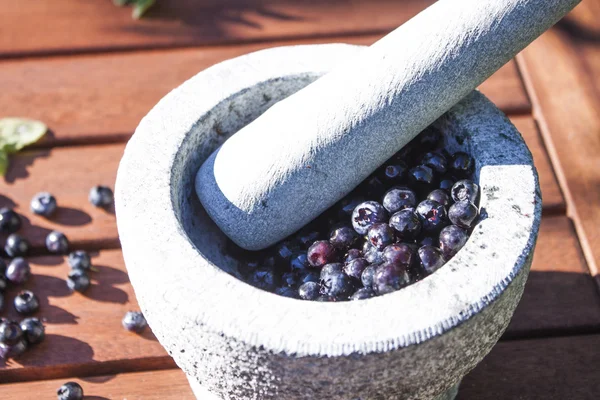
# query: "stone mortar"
{"type": "Point", "coordinates": [238, 342]}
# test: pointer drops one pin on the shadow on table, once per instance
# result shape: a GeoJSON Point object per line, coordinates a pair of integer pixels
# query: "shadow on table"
{"type": "Point", "coordinates": [20, 162]}
{"type": "Point", "coordinates": [56, 350]}
{"type": "Point", "coordinates": [71, 217]}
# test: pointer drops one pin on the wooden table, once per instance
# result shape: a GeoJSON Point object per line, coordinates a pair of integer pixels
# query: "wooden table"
{"type": "Point", "coordinates": [91, 73]}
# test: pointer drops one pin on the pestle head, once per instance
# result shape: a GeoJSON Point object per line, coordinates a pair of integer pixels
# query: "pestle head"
{"type": "Point", "coordinates": [308, 151]}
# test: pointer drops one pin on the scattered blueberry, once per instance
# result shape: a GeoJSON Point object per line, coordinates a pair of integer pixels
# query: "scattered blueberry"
{"type": "Point", "coordinates": [367, 214]}
{"type": "Point", "coordinates": [309, 291]}
{"type": "Point", "coordinates": [452, 239]}
{"type": "Point", "coordinates": [362, 294]}
{"type": "Point", "coordinates": [33, 330]}
{"type": "Point", "coordinates": [101, 196]}
{"type": "Point", "coordinates": [26, 302]}
{"type": "Point", "coordinates": [320, 253]}
{"type": "Point", "coordinates": [436, 161]}
{"type": "Point", "coordinates": [16, 245]}
{"type": "Point", "coordinates": [465, 190]}
{"type": "Point", "coordinates": [389, 278]}
{"type": "Point", "coordinates": [462, 164]}
{"type": "Point", "coordinates": [433, 216]}
{"type": "Point", "coordinates": [463, 213]}
{"type": "Point", "coordinates": [381, 235]}
{"type": "Point", "coordinates": [10, 221]}
{"type": "Point", "coordinates": [441, 196]}
{"type": "Point", "coordinates": [43, 204]}
{"type": "Point", "coordinates": [18, 271]}
{"type": "Point", "coordinates": [399, 198]}
{"type": "Point", "coordinates": [57, 242]}
{"type": "Point", "coordinates": [70, 391]}
{"type": "Point", "coordinates": [78, 280]}
{"type": "Point", "coordinates": [355, 268]}
{"type": "Point", "coordinates": [10, 332]}
{"type": "Point", "coordinates": [343, 237]}
{"type": "Point", "coordinates": [134, 321]}
{"type": "Point", "coordinates": [431, 258]}
{"type": "Point", "coordinates": [13, 351]}
{"type": "Point", "coordinates": [79, 259]}
{"type": "Point", "coordinates": [407, 224]}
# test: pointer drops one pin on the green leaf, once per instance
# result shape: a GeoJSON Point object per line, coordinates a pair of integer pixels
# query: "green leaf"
{"type": "Point", "coordinates": [16, 133]}
{"type": "Point", "coordinates": [140, 7]}
{"type": "Point", "coordinates": [3, 162]}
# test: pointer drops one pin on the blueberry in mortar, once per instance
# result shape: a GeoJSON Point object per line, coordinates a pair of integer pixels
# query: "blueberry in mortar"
{"type": "Point", "coordinates": [463, 213]}
{"type": "Point", "coordinates": [399, 198]}
{"type": "Point", "coordinates": [407, 224]}
{"type": "Point", "coordinates": [452, 239]}
{"type": "Point", "coordinates": [433, 216]}
{"type": "Point", "coordinates": [367, 214]}
{"type": "Point", "coordinates": [465, 189]}
{"type": "Point", "coordinates": [381, 235]}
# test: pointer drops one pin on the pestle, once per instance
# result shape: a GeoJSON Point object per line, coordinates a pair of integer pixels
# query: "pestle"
{"type": "Point", "coordinates": [306, 152]}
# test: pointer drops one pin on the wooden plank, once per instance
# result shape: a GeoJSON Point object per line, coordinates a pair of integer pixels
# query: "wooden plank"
{"type": "Point", "coordinates": [549, 369]}
{"type": "Point", "coordinates": [93, 26]}
{"type": "Point", "coordinates": [68, 173]}
{"type": "Point", "coordinates": [102, 98]}
{"type": "Point", "coordinates": [154, 385]}
{"type": "Point", "coordinates": [567, 104]}
{"type": "Point", "coordinates": [560, 296]}
{"type": "Point", "coordinates": [83, 332]}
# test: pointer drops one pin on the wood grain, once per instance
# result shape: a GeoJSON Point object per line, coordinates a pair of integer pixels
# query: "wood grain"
{"type": "Point", "coordinates": [83, 331]}
{"type": "Point", "coordinates": [94, 26]}
{"type": "Point", "coordinates": [91, 99]}
{"type": "Point", "coordinates": [567, 104]}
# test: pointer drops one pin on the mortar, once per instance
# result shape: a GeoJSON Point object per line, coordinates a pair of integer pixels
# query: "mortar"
{"type": "Point", "coordinates": [234, 341]}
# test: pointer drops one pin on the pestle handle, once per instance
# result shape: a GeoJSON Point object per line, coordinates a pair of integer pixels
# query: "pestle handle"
{"type": "Point", "coordinates": [309, 150]}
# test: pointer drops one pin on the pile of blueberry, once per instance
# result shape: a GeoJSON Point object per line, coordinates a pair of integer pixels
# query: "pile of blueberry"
{"type": "Point", "coordinates": [401, 224]}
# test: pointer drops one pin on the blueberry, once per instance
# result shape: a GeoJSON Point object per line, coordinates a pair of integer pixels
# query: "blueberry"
{"type": "Point", "coordinates": [298, 262]}
{"type": "Point", "coordinates": [381, 235]}
{"type": "Point", "coordinates": [399, 198]}
{"type": "Point", "coordinates": [355, 268]}
{"type": "Point", "coordinates": [422, 178]}
{"type": "Point", "coordinates": [433, 216]}
{"type": "Point", "coordinates": [329, 269]}
{"type": "Point", "coordinates": [101, 196]}
{"type": "Point", "coordinates": [57, 242]}
{"type": "Point", "coordinates": [10, 221]}
{"type": "Point", "coordinates": [13, 351]}
{"type": "Point", "coordinates": [407, 224]}
{"type": "Point", "coordinates": [16, 245]}
{"type": "Point", "coordinates": [337, 285]}
{"type": "Point", "coordinates": [70, 391]}
{"type": "Point", "coordinates": [10, 332]}
{"type": "Point", "coordinates": [78, 280]}
{"type": "Point", "coordinates": [366, 247]}
{"type": "Point", "coordinates": [367, 214]}
{"type": "Point", "coordinates": [394, 173]}
{"type": "Point", "coordinates": [374, 256]}
{"type": "Point", "coordinates": [26, 302]}
{"type": "Point", "coordinates": [452, 239]}
{"type": "Point", "coordinates": [33, 330]}
{"type": "Point", "coordinates": [352, 254]}
{"type": "Point", "coordinates": [309, 291]}
{"type": "Point", "coordinates": [446, 183]}
{"type": "Point", "coordinates": [462, 164]}
{"type": "Point", "coordinates": [289, 279]}
{"type": "Point", "coordinates": [18, 271]}
{"type": "Point", "coordinates": [79, 259]}
{"type": "Point", "coordinates": [308, 237]}
{"type": "Point", "coordinates": [134, 321]}
{"type": "Point", "coordinates": [428, 241]}
{"type": "Point", "coordinates": [43, 204]}
{"type": "Point", "coordinates": [285, 250]}
{"type": "Point", "coordinates": [431, 258]}
{"type": "Point", "coordinates": [287, 292]}
{"type": "Point", "coordinates": [465, 189]}
{"type": "Point", "coordinates": [347, 206]}
{"type": "Point", "coordinates": [263, 278]}
{"type": "Point", "coordinates": [308, 276]}
{"type": "Point", "coordinates": [368, 275]}
{"type": "Point", "coordinates": [343, 237]}
{"type": "Point", "coordinates": [362, 294]}
{"type": "Point", "coordinates": [436, 161]}
{"type": "Point", "coordinates": [389, 278]}
{"type": "Point", "coordinates": [440, 196]}
{"type": "Point", "coordinates": [320, 253]}
{"type": "Point", "coordinates": [463, 213]}
{"type": "Point", "coordinates": [399, 254]}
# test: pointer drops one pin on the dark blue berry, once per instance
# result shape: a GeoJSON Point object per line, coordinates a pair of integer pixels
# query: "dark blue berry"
{"type": "Point", "coordinates": [422, 178]}
{"type": "Point", "coordinates": [446, 183]}
{"type": "Point", "coordinates": [399, 254]}
{"type": "Point", "coordinates": [78, 280]}
{"type": "Point", "coordinates": [287, 292]}
{"type": "Point", "coordinates": [428, 241]}
{"type": "Point", "coordinates": [13, 351]}
{"type": "Point", "coordinates": [307, 237]}
{"type": "Point", "coordinates": [343, 237]}
{"type": "Point", "coordinates": [308, 276]}
{"type": "Point", "coordinates": [26, 302]}
{"type": "Point", "coordinates": [337, 285]}
{"type": "Point", "coordinates": [79, 259]}
{"type": "Point", "coordinates": [10, 332]}
{"type": "Point", "coordinates": [56, 242]}
{"type": "Point", "coordinates": [43, 204]}
{"type": "Point", "coordinates": [368, 275]}
{"type": "Point", "coordinates": [70, 391]}
{"type": "Point", "coordinates": [18, 271]}
{"type": "Point", "coordinates": [285, 250]}
{"type": "Point", "coordinates": [329, 269]}
{"type": "Point", "coordinates": [263, 278]}
{"type": "Point", "coordinates": [381, 235]}
{"type": "Point", "coordinates": [10, 221]}
{"type": "Point", "coordinates": [440, 196]}
{"type": "Point", "coordinates": [134, 321]}
{"type": "Point", "coordinates": [289, 279]}
{"type": "Point", "coordinates": [355, 268]}
{"type": "Point", "coordinates": [320, 253]}
{"type": "Point", "coordinates": [347, 206]}
{"type": "Point", "coordinates": [399, 198]}
{"type": "Point", "coordinates": [462, 164]}
{"type": "Point", "coordinates": [431, 259]}
{"type": "Point", "coordinates": [299, 262]}
{"type": "Point", "coordinates": [390, 277]}
{"type": "Point", "coordinates": [433, 216]}
{"type": "Point", "coordinates": [374, 256]}
{"type": "Point", "coordinates": [452, 239]}
{"type": "Point", "coordinates": [394, 173]}
{"type": "Point", "coordinates": [367, 214]}
{"type": "Point", "coordinates": [101, 196]}
{"type": "Point", "coordinates": [33, 330]}
{"type": "Point", "coordinates": [436, 161]}
{"type": "Point", "coordinates": [407, 224]}
{"type": "Point", "coordinates": [463, 213]}
{"type": "Point", "coordinates": [362, 294]}
{"type": "Point", "coordinates": [465, 189]}
{"type": "Point", "coordinates": [309, 291]}
{"type": "Point", "coordinates": [16, 245]}
{"type": "Point", "coordinates": [352, 254]}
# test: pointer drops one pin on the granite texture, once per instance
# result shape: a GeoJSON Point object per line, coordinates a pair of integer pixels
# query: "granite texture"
{"type": "Point", "coordinates": [238, 342]}
{"type": "Point", "coordinates": [308, 151]}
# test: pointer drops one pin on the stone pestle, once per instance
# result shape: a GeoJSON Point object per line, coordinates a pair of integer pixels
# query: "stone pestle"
{"type": "Point", "coordinates": [306, 152]}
